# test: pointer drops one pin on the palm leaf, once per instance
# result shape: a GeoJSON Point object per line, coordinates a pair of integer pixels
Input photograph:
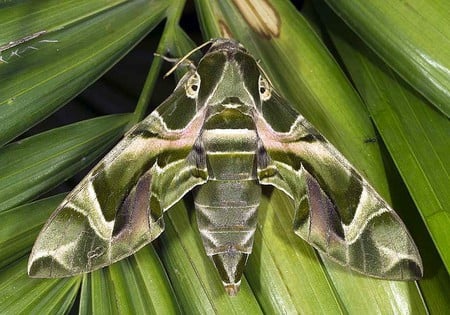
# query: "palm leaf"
{"type": "Point", "coordinates": [51, 51]}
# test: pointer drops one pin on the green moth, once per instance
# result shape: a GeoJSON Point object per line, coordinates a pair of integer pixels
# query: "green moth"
{"type": "Point", "coordinates": [222, 134]}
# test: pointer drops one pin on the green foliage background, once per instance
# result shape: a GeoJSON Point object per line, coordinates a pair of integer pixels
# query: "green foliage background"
{"type": "Point", "coordinates": [372, 76]}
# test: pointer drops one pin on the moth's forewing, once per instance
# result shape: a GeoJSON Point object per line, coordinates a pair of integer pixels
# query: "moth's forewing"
{"type": "Point", "coordinates": [117, 208]}
{"type": "Point", "coordinates": [224, 127]}
{"type": "Point", "coordinates": [336, 210]}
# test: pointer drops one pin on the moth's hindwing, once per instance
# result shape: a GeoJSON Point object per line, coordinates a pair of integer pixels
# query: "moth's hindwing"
{"type": "Point", "coordinates": [118, 207]}
{"type": "Point", "coordinates": [336, 210]}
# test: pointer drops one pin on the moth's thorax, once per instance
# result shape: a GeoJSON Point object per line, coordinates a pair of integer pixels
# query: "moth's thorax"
{"type": "Point", "coordinates": [235, 76]}
{"type": "Point", "coordinates": [233, 117]}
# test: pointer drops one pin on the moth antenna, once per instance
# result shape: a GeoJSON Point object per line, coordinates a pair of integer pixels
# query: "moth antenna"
{"type": "Point", "coordinates": [263, 72]}
{"type": "Point", "coordinates": [168, 59]}
{"type": "Point", "coordinates": [180, 61]}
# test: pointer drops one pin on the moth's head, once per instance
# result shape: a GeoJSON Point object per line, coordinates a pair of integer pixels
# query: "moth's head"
{"type": "Point", "coordinates": [229, 73]}
{"type": "Point", "coordinates": [226, 44]}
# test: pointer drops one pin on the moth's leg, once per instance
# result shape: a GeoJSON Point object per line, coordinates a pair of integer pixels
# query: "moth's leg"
{"type": "Point", "coordinates": [265, 167]}
{"type": "Point", "coordinates": [197, 157]}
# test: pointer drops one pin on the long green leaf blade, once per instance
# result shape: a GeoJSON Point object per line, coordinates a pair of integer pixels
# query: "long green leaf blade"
{"type": "Point", "coordinates": [138, 285]}
{"type": "Point", "coordinates": [22, 295]}
{"type": "Point", "coordinates": [52, 50]}
{"type": "Point", "coordinates": [21, 225]}
{"type": "Point", "coordinates": [412, 37]}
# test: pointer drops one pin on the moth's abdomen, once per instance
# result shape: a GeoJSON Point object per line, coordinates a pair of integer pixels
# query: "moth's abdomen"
{"type": "Point", "coordinates": [227, 203]}
{"type": "Point", "coordinates": [227, 225]}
